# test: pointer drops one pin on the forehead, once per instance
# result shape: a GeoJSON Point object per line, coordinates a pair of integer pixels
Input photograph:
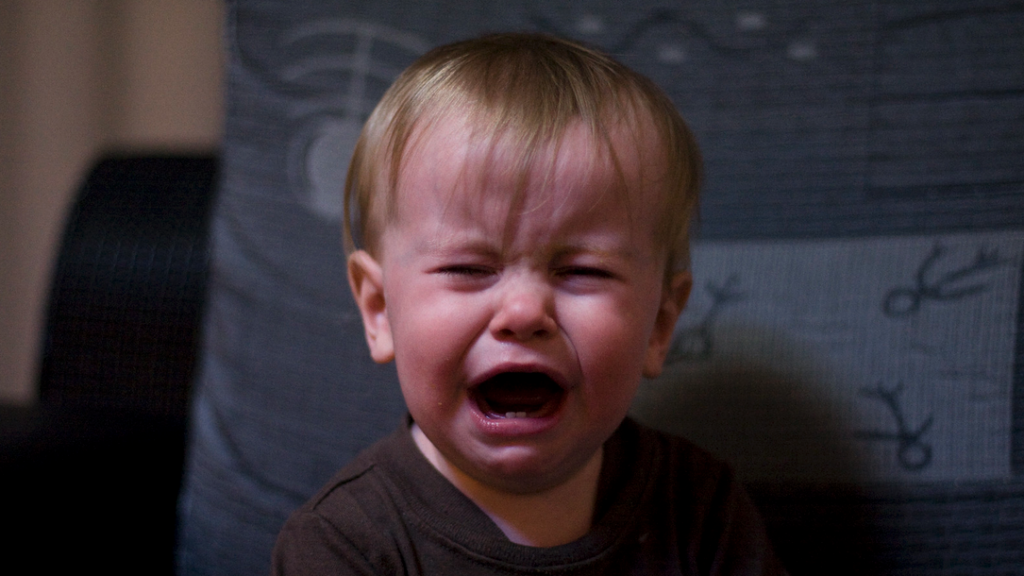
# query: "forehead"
{"type": "Point", "coordinates": [465, 161]}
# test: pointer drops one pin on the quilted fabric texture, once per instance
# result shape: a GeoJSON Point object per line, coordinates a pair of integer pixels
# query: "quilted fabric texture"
{"type": "Point", "coordinates": [854, 342]}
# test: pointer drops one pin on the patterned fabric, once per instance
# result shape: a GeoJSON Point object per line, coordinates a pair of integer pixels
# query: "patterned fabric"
{"type": "Point", "coordinates": [854, 344]}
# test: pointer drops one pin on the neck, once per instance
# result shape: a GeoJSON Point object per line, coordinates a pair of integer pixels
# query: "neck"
{"type": "Point", "coordinates": [557, 515]}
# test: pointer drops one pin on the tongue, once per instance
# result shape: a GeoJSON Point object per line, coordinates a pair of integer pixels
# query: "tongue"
{"type": "Point", "coordinates": [518, 392]}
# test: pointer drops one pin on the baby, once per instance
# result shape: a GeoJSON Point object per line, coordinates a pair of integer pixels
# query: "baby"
{"type": "Point", "coordinates": [522, 205]}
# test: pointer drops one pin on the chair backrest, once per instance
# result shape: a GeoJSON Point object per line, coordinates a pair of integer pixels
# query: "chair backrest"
{"type": "Point", "coordinates": [854, 342]}
{"type": "Point", "coordinates": [118, 361]}
{"type": "Point", "coordinates": [128, 290]}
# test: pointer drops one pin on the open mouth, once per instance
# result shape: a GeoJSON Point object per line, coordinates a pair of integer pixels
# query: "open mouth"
{"type": "Point", "coordinates": [519, 395]}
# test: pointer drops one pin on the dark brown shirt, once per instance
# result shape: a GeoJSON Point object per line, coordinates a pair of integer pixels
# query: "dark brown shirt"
{"type": "Point", "coordinates": [664, 507]}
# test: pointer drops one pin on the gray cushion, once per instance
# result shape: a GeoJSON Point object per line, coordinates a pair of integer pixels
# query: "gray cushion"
{"type": "Point", "coordinates": [854, 343]}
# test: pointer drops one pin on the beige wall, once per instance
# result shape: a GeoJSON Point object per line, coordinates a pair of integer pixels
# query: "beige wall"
{"type": "Point", "coordinates": [78, 77]}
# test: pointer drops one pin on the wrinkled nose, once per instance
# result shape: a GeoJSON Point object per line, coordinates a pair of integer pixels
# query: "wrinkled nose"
{"type": "Point", "coordinates": [525, 310]}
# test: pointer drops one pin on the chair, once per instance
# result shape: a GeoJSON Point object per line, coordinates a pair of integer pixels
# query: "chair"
{"type": "Point", "coordinates": [853, 344]}
{"type": "Point", "coordinates": [91, 474]}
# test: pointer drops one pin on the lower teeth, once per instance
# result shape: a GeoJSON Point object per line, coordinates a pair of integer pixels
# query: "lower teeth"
{"type": "Point", "coordinates": [515, 414]}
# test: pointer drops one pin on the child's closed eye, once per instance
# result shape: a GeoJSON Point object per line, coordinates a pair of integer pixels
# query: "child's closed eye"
{"type": "Point", "coordinates": [584, 272]}
{"type": "Point", "coordinates": [465, 270]}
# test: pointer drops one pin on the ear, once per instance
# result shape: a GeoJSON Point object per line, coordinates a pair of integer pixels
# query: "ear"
{"type": "Point", "coordinates": [366, 279]}
{"type": "Point", "coordinates": [673, 299]}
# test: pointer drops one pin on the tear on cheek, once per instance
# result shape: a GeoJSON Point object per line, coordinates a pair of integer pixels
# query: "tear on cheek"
{"type": "Point", "coordinates": [518, 395]}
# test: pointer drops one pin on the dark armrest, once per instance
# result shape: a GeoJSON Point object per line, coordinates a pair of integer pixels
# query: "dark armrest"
{"type": "Point", "coordinates": [90, 475]}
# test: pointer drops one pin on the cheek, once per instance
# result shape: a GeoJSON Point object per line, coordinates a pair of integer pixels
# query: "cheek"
{"type": "Point", "coordinates": [429, 331]}
{"type": "Point", "coordinates": [625, 322]}
{"type": "Point", "coordinates": [428, 349]}
{"type": "Point", "coordinates": [429, 394]}
{"type": "Point", "coordinates": [612, 349]}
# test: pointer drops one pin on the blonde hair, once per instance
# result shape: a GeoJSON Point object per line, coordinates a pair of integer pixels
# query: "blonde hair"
{"type": "Point", "coordinates": [530, 88]}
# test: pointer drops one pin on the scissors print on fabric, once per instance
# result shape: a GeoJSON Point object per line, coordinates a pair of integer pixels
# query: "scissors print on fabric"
{"type": "Point", "coordinates": [904, 301]}
{"type": "Point", "coordinates": [913, 453]}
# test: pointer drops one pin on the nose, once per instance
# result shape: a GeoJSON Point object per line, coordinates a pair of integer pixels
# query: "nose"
{"type": "Point", "coordinates": [525, 309]}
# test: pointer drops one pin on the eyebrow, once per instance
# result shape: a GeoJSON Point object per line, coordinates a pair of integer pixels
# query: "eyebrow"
{"type": "Point", "coordinates": [483, 247]}
{"type": "Point", "coordinates": [624, 253]}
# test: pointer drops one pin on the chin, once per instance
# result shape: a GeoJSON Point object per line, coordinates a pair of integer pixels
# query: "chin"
{"type": "Point", "coordinates": [520, 471]}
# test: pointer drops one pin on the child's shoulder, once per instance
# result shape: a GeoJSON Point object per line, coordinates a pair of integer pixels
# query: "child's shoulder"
{"type": "Point", "coordinates": [695, 497]}
{"type": "Point", "coordinates": [668, 454]}
{"type": "Point", "coordinates": [671, 473]}
{"type": "Point", "coordinates": [342, 523]}
{"type": "Point", "coordinates": [360, 480]}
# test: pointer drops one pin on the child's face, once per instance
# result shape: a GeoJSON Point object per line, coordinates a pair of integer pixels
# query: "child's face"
{"type": "Point", "coordinates": [519, 337]}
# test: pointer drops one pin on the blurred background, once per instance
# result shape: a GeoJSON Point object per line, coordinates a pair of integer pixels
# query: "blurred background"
{"type": "Point", "coordinates": [79, 78]}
